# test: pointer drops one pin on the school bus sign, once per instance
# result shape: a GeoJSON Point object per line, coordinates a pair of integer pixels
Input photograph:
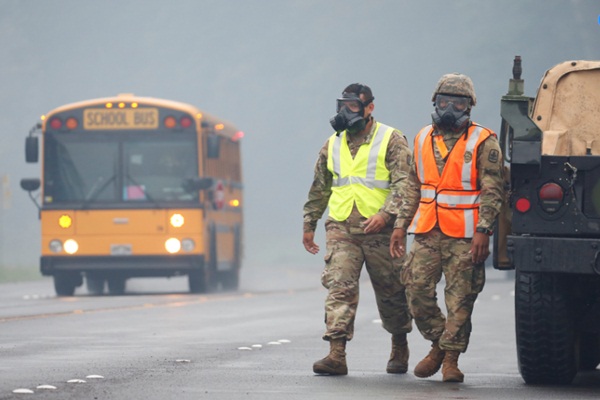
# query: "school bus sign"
{"type": "Point", "coordinates": [128, 118]}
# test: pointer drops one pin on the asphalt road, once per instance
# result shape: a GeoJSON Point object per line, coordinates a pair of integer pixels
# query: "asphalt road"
{"type": "Point", "coordinates": [159, 342]}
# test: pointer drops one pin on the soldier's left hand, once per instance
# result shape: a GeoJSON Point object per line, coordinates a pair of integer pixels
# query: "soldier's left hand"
{"type": "Point", "coordinates": [480, 247]}
{"type": "Point", "coordinates": [374, 224]}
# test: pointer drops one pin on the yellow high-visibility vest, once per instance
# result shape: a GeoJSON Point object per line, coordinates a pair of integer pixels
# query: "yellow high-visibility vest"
{"type": "Point", "coordinates": [364, 179]}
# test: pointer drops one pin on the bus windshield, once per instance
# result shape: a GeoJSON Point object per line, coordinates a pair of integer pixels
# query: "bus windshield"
{"type": "Point", "coordinates": [119, 168]}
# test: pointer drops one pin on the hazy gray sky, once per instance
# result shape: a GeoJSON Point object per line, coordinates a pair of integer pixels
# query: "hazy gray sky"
{"type": "Point", "coordinates": [272, 67]}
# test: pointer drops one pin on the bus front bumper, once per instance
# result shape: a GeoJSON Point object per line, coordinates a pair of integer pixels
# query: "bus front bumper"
{"type": "Point", "coordinates": [126, 265]}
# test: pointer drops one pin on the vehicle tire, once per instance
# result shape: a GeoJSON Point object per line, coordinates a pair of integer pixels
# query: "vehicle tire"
{"type": "Point", "coordinates": [212, 275]}
{"type": "Point", "coordinates": [65, 284]}
{"type": "Point", "coordinates": [197, 281]}
{"type": "Point", "coordinates": [94, 283]}
{"type": "Point", "coordinates": [589, 351]}
{"type": "Point", "coordinates": [116, 285]}
{"type": "Point", "coordinates": [545, 328]}
{"type": "Point", "coordinates": [230, 280]}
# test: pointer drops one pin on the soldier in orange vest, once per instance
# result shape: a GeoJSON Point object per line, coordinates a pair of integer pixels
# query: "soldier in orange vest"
{"type": "Point", "coordinates": [450, 202]}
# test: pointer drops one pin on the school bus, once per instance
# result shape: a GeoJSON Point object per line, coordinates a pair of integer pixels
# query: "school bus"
{"type": "Point", "coordinates": [137, 187]}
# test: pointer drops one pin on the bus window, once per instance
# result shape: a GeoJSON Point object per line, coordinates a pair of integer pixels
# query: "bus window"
{"type": "Point", "coordinates": [79, 170]}
{"type": "Point", "coordinates": [158, 170]}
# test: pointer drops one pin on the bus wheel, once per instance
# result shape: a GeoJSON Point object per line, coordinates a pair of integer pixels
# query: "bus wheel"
{"type": "Point", "coordinates": [230, 280]}
{"type": "Point", "coordinates": [197, 281]}
{"type": "Point", "coordinates": [212, 274]}
{"type": "Point", "coordinates": [94, 283]}
{"type": "Point", "coordinates": [116, 285]}
{"type": "Point", "coordinates": [65, 283]}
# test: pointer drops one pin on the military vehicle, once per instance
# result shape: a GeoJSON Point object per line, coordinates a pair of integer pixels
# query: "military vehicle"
{"type": "Point", "coordinates": [550, 230]}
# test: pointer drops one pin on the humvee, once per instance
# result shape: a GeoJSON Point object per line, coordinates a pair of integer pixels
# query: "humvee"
{"type": "Point", "coordinates": [549, 232]}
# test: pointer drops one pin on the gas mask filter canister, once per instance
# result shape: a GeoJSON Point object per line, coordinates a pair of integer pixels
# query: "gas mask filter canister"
{"type": "Point", "coordinates": [350, 111]}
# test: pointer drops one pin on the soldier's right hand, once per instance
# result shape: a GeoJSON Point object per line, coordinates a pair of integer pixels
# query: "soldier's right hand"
{"type": "Point", "coordinates": [398, 243]}
{"type": "Point", "coordinates": [308, 239]}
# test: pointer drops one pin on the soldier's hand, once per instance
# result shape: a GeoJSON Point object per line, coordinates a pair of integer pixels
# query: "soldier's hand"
{"type": "Point", "coordinates": [398, 243]}
{"type": "Point", "coordinates": [374, 224]}
{"type": "Point", "coordinates": [308, 239]}
{"type": "Point", "coordinates": [480, 247]}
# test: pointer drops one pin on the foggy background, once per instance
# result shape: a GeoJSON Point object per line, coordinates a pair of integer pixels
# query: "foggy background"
{"type": "Point", "coordinates": [273, 68]}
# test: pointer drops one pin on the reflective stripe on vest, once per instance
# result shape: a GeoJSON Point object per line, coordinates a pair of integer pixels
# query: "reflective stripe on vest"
{"type": "Point", "coordinates": [364, 179]}
{"type": "Point", "coordinates": [451, 200]}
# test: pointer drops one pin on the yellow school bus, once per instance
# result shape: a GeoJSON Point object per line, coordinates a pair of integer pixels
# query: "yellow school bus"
{"type": "Point", "coordinates": [136, 187]}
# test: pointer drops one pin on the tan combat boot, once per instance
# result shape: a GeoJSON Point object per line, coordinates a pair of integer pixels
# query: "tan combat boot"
{"type": "Point", "coordinates": [450, 371]}
{"type": "Point", "coordinates": [335, 362]}
{"type": "Point", "coordinates": [431, 363]}
{"type": "Point", "coordinates": [398, 363]}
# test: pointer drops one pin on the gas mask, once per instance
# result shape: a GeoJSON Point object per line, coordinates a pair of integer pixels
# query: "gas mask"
{"type": "Point", "coordinates": [350, 114]}
{"type": "Point", "coordinates": [451, 112]}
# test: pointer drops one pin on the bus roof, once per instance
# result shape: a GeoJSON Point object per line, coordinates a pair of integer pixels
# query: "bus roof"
{"type": "Point", "coordinates": [226, 129]}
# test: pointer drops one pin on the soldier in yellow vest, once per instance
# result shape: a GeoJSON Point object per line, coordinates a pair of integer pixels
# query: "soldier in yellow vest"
{"type": "Point", "coordinates": [453, 195]}
{"type": "Point", "coordinates": [357, 175]}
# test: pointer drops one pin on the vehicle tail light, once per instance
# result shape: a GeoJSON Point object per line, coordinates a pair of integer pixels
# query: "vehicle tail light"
{"type": "Point", "coordinates": [523, 205]}
{"type": "Point", "coordinates": [238, 135]}
{"type": "Point", "coordinates": [551, 197]}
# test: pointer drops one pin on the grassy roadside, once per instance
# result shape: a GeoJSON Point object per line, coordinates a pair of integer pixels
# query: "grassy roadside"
{"type": "Point", "coordinates": [19, 274]}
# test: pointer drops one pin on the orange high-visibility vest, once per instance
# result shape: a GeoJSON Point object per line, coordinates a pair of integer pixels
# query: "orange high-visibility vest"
{"type": "Point", "coordinates": [452, 199]}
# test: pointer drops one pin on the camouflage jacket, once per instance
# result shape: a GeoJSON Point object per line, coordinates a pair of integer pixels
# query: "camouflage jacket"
{"type": "Point", "coordinates": [397, 161]}
{"type": "Point", "coordinates": [489, 179]}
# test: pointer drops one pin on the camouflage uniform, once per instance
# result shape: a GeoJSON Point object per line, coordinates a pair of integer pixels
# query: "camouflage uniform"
{"type": "Point", "coordinates": [348, 247]}
{"type": "Point", "coordinates": [434, 253]}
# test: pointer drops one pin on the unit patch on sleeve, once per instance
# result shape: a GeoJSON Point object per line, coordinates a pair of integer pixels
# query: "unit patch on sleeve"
{"type": "Point", "coordinates": [493, 157]}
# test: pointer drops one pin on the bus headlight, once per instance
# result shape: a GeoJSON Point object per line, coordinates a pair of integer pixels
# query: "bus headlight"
{"type": "Point", "coordinates": [55, 246]}
{"type": "Point", "coordinates": [71, 246]}
{"type": "Point", "coordinates": [173, 245]}
{"type": "Point", "coordinates": [187, 244]}
{"type": "Point", "coordinates": [177, 220]}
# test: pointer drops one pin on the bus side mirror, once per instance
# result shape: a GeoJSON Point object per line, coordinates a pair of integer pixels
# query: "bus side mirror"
{"type": "Point", "coordinates": [31, 149]}
{"type": "Point", "coordinates": [30, 184]}
{"type": "Point", "coordinates": [194, 184]}
{"type": "Point", "coordinates": [213, 145]}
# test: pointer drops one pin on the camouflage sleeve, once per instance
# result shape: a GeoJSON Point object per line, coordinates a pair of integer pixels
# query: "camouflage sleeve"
{"type": "Point", "coordinates": [410, 197]}
{"type": "Point", "coordinates": [489, 165]}
{"type": "Point", "coordinates": [319, 193]}
{"type": "Point", "coordinates": [397, 161]}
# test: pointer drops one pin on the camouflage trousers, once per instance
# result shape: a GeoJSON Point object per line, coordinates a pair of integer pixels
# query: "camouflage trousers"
{"type": "Point", "coordinates": [432, 254]}
{"type": "Point", "coordinates": [347, 250]}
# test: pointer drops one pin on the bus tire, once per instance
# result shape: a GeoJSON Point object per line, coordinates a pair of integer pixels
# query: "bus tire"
{"type": "Point", "coordinates": [116, 285]}
{"type": "Point", "coordinates": [212, 275]}
{"type": "Point", "coordinates": [545, 328]}
{"type": "Point", "coordinates": [65, 283]}
{"type": "Point", "coordinates": [589, 351]}
{"type": "Point", "coordinates": [230, 280]}
{"type": "Point", "coordinates": [197, 280]}
{"type": "Point", "coordinates": [95, 283]}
